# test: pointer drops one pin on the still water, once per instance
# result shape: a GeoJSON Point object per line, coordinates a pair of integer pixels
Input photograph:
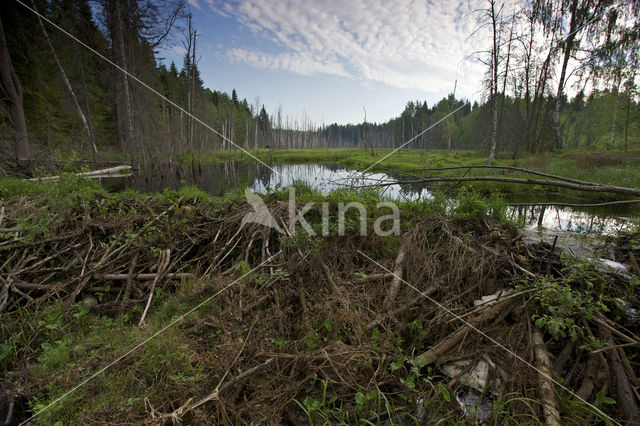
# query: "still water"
{"type": "Point", "coordinates": [217, 178]}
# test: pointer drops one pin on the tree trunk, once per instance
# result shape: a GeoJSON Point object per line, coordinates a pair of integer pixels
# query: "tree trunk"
{"type": "Point", "coordinates": [67, 84]}
{"type": "Point", "coordinates": [567, 55]}
{"type": "Point", "coordinates": [88, 108]}
{"type": "Point", "coordinates": [13, 91]}
{"type": "Point", "coordinates": [124, 82]}
{"type": "Point", "coordinates": [626, 122]}
{"type": "Point", "coordinates": [613, 128]}
{"type": "Point", "coordinates": [494, 87]}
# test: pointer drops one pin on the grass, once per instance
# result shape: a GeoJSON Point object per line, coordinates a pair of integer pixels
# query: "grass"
{"type": "Point", "coordinates": [63, 347]}
{"type": "Point", "coordinates": [613, 168]}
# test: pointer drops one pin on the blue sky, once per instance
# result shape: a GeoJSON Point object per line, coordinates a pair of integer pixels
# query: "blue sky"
{"type": "Point", "coordinates": [327, 59]}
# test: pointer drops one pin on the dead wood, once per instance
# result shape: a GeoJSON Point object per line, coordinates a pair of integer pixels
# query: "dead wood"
{"type": "Point", "coordinates": [397, 275]}
{"type": "Point", "coordinates": [634, 263]}
{"type": "Point", "coordinates": [162, 266]}
{"type": "Point", "coordinates": [433, 354]}
{"type": "Point", "coordinates": [578, 205]}
{"type": "Point", "coordinates": [331, 283]}
{"type": "Point", "coordinates": [626, 396]}
{"type": "Point", "coordinates": [509, 168]}
{"type": "Point", "coordinates": [545, 389]}
{"type": "Point", "coordinates": [591, 187]}
{"type": "Point", "coordinates": [588, 382]}
{"type": "Point", "coordinates": [144, 276]}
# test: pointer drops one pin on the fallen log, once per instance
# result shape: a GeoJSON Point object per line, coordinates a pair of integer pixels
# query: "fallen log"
{"type": "Point", "coordinates": [542, 182]}
{"type": "Point", "coordinates": [509, 168]}
{"type": "Point", "coordinates": [119, 171]}
{"type": "Point", "coordinates": [626, 396]}
{"type": "Point", "coordinates": [143, 276]}
{"type": "Point", "coordinates": [547, 395]}
{"type": "Point", "coordinates": [577, 205]}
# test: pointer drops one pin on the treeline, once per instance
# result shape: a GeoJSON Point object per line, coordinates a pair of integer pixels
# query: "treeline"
{"type": "Point", "coordinates": [59, 95]}
{"type": "Point", "coordinates": [600, 121]}
{"type": "Point", "coordinates": [536, 52]}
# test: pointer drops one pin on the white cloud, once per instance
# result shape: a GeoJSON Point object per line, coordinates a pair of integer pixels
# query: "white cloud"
{"type": "Point", "coordinates": [299, 63]}
{"type": "Point", "coordinates": [414, 44]}
{"type": "Point", "coordinates": [194, 3]}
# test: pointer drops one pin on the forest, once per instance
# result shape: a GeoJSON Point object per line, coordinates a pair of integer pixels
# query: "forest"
{"type": "Point", "coordinates": [58, 96]}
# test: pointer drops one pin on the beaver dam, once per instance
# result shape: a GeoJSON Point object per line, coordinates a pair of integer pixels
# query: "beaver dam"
{"type": "Point", "coordinates": [126, 308]}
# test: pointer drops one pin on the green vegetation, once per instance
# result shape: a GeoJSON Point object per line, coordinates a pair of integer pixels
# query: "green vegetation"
{"type": "Point", "coordinates": [130, 307]}
{"type": "Point", "coordinates": [613, 168]}
{"type": "Point", "coordinates": [65, 343]}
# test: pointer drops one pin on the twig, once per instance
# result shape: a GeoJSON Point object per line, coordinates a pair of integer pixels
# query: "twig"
{"type": "Point", "coordinates": [327, 273]}
{"type": "Point", "coordinates": [441, 348]}
{"type": "Point", "coordinates": [617, 332]}
{"type": "Point", "coordinates": [608, 348]}
{"type": "Point", "coordinates": [162, 265]}
{"type": "Point", "coordinates": [185, 408]}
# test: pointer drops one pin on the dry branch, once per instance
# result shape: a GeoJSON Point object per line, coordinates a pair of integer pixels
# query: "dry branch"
{"type": "Point", "coordinates": [592, 187]}
{"type": "Point", "coordinates": [143, 276]}
{"type": "Point", "coordinates": [397, 275]}
{"type": "Point", "coordinates": [547, 394]}
{"type": "Point", "coordinates": [162, 266]}
{"type": "Point", "coordinates": [626, 396]}
{"type": "Point", "coordinates": [433, 354]}
{"type": "Point", "coordinates": [509, 168]}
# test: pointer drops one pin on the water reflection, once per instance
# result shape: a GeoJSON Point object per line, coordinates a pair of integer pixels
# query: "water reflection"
{"type": "Point", "coordinates": [569, 219]}
{"type": "Point", "coordinates": [218, 178]}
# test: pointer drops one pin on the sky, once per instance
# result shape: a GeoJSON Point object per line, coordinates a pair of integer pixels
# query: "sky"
{"type": "Point", "coordinates": [332, 59]}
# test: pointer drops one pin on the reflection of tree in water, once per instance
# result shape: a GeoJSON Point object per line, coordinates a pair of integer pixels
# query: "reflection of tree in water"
{"type": "Point", "coordinates": [220, 177]}
{"type": "Point", "coordinates": [567, 219]}
{"type": "Point", "coordinates": [333, 167]}
{"type": "Point", "coordinates": [215, 178]}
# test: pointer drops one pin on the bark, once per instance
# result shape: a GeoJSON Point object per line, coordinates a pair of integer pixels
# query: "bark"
{"type": "Point", "coordinates": [626, 398]}
{"type": "Point", "coordinates": [547, 395]}
{"type": "Point", "coordinates": [397, 275]}
{"type": "Point", "coordinates": [127, 115]}
{"type": "Point", "coordinates": [626, 123]}
{"type": "Point", "coordinates": [567, 55]}
{"type": "Point", "coordinates": [494, 86]}
{"type": "Point", "coordinates": [613, 129]}
{"type": "Point", "coordinates": [13, 91]}
{"type": "Point", "coordinates": [67, 84]}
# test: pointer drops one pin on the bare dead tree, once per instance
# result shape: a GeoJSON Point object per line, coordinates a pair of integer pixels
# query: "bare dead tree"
{"type": "Point", "coordinates": [67, 84]}
{"type": "Point", "coordinates": [12, 89]}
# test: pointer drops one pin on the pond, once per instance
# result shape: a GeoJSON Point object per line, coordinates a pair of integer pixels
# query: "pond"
{"type": "Point", "coordinates": [219, 177]}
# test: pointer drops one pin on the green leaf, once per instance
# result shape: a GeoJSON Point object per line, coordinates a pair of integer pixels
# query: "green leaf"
{"type": "Point", "coordinates": [602, 399]}
{"type": "Point", "coordinates": [445, 392]}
